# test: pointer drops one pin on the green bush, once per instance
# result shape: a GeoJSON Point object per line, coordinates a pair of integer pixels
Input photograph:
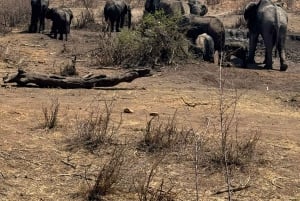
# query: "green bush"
{"type": "Point", "coordinates": [157, 40]}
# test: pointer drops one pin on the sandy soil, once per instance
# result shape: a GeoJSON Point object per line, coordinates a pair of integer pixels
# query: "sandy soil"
{"type": "Point", "coordinates": [38, 164]}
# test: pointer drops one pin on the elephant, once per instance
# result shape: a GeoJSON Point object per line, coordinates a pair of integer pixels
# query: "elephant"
{"type": "Point", "coordinates": [173, 7]}
{"type": "Point", "coordinates": [193, 26]}
{"type": "Point", "coordinates": [115, 11]}
{"type": "Point", "coordinates": [205, 43]}
{"type": "Point", "coordinates": [237, 34]}
{"type": "Point", "coordinates": [270, 21]}
{"type": "Point", "coordinates": [38, 11]}
{"type": "Point", "coordinates": [196, 8]}
{"type": "Point", "coordinates": [238, 49]}
{"type": "Point", "coordinates": [61, 21]}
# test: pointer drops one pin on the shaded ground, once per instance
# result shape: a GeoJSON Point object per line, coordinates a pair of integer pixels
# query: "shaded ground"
{"type": "Point", "coordinates": [36, 164]}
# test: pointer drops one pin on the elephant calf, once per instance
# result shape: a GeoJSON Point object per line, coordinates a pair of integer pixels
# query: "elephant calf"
{"type": "Point", "coordinates": [194, 25]}
{"type": "Point", "coordinates": [61, 21]}
{"type": "Point", "coordinates": [238, 49]}
{"type": "Point", "coordinates": [205, 44]}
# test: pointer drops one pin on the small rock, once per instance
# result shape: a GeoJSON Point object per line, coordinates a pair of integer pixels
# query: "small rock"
{"type": "Point", "coordinates": [154, 114]}
{"type": "Point", "coordinates": [128, 110]}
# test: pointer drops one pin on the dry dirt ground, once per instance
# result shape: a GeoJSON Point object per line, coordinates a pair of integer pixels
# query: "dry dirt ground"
{"type": "Point", "coordinates": [38, 164]}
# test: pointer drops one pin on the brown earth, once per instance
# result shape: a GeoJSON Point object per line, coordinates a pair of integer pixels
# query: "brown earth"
{"type": "Point", "coordinates": [37, 164]}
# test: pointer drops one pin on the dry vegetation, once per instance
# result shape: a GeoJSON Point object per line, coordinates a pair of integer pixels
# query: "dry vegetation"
{"type": "Point", "coordinates": [196, 132]}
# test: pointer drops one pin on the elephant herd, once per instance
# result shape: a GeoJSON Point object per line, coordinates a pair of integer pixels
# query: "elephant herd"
{"type": "Point", "coordinates": [206, 33]}
{"type": "Point", "coordinates": [61, 18]}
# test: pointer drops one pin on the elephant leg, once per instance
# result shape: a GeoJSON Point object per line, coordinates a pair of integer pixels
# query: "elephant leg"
{"type": "Point", "coordinates": [253, 38]}
{"type": "Point", "coordinates": [33, 24]}
{"type": "Point", "coordinates": [283, 64]}
{"type": "Point", "coordinates": [61, 34]}
{"type": "Point", "coordinates": [268, 52]}
{"type": "Point", "coordinates": [122, 19]}
{"type": "Point", "coordinates": [281, 52]}
{"type": "Point", "coordinates": [54, 29]}
{"type": "Point", "coordinates": [118, 24]}
{"type": "Point", "coordinates": [42, 24]}
{"type": "Point", "coordinates": [112, 25]}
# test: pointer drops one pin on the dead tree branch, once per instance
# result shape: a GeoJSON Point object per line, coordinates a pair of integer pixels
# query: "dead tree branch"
{"type": "Point", "coordinates": [23, 78]}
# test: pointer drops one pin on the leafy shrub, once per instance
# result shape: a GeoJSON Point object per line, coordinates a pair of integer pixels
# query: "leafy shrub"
{"type": "Point", "coordinates": [157, 40]}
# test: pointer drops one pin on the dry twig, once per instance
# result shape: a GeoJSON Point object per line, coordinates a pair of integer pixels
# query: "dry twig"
{"type": "Point", "coordinates": [192, 104]}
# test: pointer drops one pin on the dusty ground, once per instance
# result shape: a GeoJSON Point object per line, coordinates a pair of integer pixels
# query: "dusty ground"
{"type": "Point", "coordinates": [36, 164]}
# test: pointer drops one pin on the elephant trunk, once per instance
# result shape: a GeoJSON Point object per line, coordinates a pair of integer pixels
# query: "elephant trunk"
{"type": "Point", "coordinates": [203, 10]}
{"type": "Point", "coordinates": [196, 8]}
{"type": "Point", "coordinates": [129, 17]}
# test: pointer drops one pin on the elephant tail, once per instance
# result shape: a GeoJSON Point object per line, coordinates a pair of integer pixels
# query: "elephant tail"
{"type": "Point", "coordinates": [129, 16]}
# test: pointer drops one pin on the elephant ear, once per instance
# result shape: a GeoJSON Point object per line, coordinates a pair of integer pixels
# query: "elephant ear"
{"type": "Point", "coordinates": [49, 13]}
{"type": "Point", "coordinates": [204, 10]}
{"type": "Point", "coordinates": [250, 14]}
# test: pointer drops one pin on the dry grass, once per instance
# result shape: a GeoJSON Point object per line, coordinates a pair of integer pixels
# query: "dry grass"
{"type": "Point", "coordinates": [147, 191]}
{"type": "Point", "coordinates": [50, 114]}
{"type": "Point", "coordinates": [13, 13]}
{"type": "Point", "coordinates": [165, 135]}
{"type": "Point", "coordinates": [240, 151]}
{"type": "Point", "coordinates": [97, 128]}
{"type": "Point", "coordinates": [109, 175]}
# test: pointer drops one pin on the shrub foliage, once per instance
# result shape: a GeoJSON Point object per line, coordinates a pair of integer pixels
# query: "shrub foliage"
{"type": "Point", "coordinates": [156, 41]}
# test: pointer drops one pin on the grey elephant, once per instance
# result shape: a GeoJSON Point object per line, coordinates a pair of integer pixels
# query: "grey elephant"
{"type": "Point", "coordinates": [115, 12]}
{"type": "Point", "coordinates": [38, 11]}
{"type": "Point", "coordinates": [205, 43]}
{"type": "Point", "coordinates": [270, 21]}
{"type": "Point", "coordinates": [193, 26]}
{"type": "Point", "coordinates": [170, 7]}
{"type": "Point", "coordinates": [237, 34]}
{"type": "Point", "coordinates": [61, 21]}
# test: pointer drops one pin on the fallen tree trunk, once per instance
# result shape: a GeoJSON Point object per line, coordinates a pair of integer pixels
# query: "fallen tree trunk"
{"type": "Point", "coordinates": [23, 78]}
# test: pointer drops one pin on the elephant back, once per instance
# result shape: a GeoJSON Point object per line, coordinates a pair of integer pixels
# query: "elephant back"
{"type": "Point", "coordinates": [206, 44]}
{"type": "Point", "coordinates": [45, 3]}
{"type": "Point", "coordinates": [170, 7]}
{"type": "Point", "coordinates": [173, 7]}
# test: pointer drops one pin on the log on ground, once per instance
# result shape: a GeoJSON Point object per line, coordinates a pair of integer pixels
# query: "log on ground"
{"type": "Point", "coordinates": [23, 78]}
